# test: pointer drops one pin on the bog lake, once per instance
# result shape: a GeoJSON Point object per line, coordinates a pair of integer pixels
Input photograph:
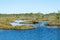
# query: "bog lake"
{"type": "Point", "coordinates": [41, 32]}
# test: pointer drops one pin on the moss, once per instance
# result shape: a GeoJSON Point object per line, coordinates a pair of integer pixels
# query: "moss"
{"type": "Point", "coordinates": [53, 23]}
{"type": "Point", "coordinates": [6, 19]}
{"type": "Point", "coordinates": [23, 27]}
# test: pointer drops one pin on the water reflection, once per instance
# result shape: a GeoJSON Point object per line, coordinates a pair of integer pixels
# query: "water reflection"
{"type": "Point", "coordinates": [41, 24]}
{"type": "Point", "coordinates": [18, 22]}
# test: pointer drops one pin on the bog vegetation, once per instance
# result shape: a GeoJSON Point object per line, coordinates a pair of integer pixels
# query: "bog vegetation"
{"type": "Point", "coordinates": [6, 19]}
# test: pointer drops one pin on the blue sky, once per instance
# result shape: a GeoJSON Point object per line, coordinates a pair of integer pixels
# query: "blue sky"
{"type": "Point", "coordinates": [28, 6]}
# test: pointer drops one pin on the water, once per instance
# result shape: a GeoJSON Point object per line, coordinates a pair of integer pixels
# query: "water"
{"type": "Point", "coordinates": [18, 22]}
{"type": "Point", "coordinates": [42, 32]}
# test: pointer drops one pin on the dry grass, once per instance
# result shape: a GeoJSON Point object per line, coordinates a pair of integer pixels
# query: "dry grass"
{"type": "Point", "coordinates": [24, 27]}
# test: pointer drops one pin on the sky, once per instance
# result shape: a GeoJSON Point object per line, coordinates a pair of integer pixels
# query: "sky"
{"type": "Point", "coordinates": [29, 6]}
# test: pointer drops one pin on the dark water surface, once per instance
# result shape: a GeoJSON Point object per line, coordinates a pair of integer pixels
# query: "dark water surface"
{"type": "Point", "coordinates": [42, 32]}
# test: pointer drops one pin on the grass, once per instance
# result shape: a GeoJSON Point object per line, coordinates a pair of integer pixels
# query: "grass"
{"type": "Point", "coordinates": [24, 27]}
{"type": "Point", "coordinates": [6, 19]}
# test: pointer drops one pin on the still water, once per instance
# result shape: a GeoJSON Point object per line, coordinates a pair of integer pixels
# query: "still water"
{"type": "Point", "coordinates": [42, 32]}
